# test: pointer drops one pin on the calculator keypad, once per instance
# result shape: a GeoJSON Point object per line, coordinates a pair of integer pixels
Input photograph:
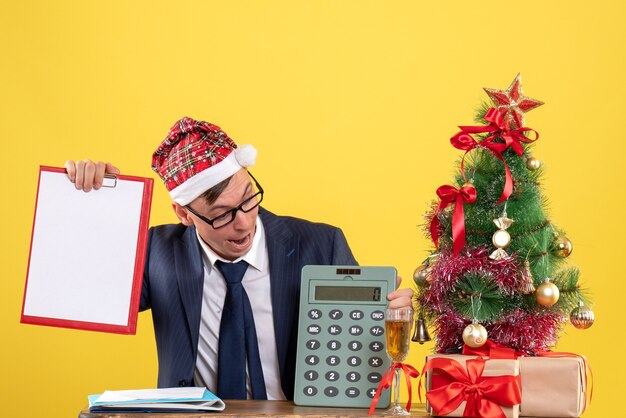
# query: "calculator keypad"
{"type": "Point", "coordinates": [350, 341]}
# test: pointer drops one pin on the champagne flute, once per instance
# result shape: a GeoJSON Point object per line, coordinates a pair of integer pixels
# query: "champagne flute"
{"type": "Point", "coordinates": [398, 324]}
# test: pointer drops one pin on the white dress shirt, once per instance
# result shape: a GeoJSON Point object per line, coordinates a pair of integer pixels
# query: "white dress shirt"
{"type": "Point", "coordinates": [256, 282]}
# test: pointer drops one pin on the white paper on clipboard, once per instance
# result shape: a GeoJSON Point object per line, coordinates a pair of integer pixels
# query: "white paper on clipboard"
{"type": "Point", "coordinates": [87, 253]}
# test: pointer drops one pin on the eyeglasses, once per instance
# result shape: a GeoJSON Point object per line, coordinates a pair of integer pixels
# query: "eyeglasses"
{"type": "Point", "coordinates": [227, 217]}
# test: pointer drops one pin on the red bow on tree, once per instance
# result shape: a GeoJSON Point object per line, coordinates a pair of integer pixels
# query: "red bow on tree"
{"type": "Point", "coordinates": [498, 128]}
{"type": "Point", "coordinates": [484, 394]}
{"type": "Point", "coordinates": [449, 195]}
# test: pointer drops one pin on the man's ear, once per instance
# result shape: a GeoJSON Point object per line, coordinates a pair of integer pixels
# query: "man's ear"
{"type": "Point", "coordinates": [182, 214]}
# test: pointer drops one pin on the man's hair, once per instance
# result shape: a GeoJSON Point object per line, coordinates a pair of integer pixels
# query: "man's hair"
{"type": "Point", "coordinates": [214, 192]}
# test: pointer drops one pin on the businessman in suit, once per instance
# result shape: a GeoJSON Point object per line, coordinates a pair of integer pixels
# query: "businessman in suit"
{"type": "Point", "coordinates": [197, 304]}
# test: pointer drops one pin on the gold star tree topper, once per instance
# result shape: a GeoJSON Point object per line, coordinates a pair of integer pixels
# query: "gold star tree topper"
{"type": "Point", "coordinates": [513, 101]}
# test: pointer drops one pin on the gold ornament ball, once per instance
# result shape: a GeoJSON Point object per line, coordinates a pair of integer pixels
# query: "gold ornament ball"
{"type": "Point", "coordinates": [547, 294]}
{"type": "Point", "coordinates": [563, 247]}
{"type": "Point", "coordinates": [421, 274]}
{"type": "Point", "coordinates": [581, 317]}
{"type": "Point", "coordinates": [532, 163]}
{"type": "Point", "coordinates": [501, 238]}
{"type": "Point", "coordinates": [474, 335]}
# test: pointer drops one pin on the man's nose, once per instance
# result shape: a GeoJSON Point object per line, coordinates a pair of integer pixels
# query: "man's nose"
{"type": "Point", "coordinates": [243, 220]}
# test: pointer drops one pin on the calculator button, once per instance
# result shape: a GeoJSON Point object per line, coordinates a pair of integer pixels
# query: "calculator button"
{"type": "Point", "coordinates": [375, 362]}
{"type": "Point", "coordinates": [354, 361]}
{"type": "Point", "coordinates": [333, 345]}
{"type": "Point", "coordinates": [353, 377]}
{"type": "Point", "coordinates": [315, 314]}
{"type": "Point", "coordinates": [335, 314]}
{"type": "Point", "coordinates": [356, 330]}
{"type": "Point", "coordinates": [332, 376]}
{"type": "Point", "coordinates": [352, 392]}
{"type": "Point", "coordinates": [310, 391]}
{"type": "Point", "coordinates": [312, 344]}
{"type": "Point", "coordinates": [355, 345]}
{"type": "Point", "coordinates": [314, 329]}
{"type": "Point", "coordinates": [376, 346]}
{"type": "Point", "coordinates": [334, 330]}
{"type": "Point", "coordinates": [374, 377]}
{"type": "Point", "coordinates": [332, 360]}
{"type": "Point", "coordinates": [377, 315]}
{"type": "Point", "coordinates": [312, 360]}
{"type": "Point", "coordinates": [311, 375]}
{"type": "Point", "coordinates": [356, 315]}
{"type": "Point", "coordinates": [331, 391]}
{"type": "Point", "coordinates": [377, 331]}
{"type": "Point", "coordinates": [371, 392]}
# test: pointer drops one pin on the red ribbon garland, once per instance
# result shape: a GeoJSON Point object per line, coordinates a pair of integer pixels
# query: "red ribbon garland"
{"type": "Point", "coordinates": [499, 128]}
{"type": "Point", "coordinates": [484, 395]}
{"type": "Point", "coordinates": [387, 380]}
{"type": "Point", "coordinates": [447, 196]}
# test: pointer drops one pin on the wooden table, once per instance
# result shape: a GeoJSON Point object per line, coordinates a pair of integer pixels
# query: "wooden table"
{"type": "Point", "coordinates": [251, 408]}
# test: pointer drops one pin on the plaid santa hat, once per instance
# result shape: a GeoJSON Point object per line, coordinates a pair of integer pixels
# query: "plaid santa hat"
{"type": "Point", "coordinates": [196, 156]}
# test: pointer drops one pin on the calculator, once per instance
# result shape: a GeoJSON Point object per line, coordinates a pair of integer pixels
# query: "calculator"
{"type": "Point", "coordinates": [341, 355]}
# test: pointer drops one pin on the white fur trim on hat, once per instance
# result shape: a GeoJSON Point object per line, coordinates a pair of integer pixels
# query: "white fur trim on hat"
{"type": "Point", "coordinates": [246, 155]}
{"type": "Point", "coordinates": [203, 181]}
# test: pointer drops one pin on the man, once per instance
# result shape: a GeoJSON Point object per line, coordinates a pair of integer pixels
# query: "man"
{"type": "Point", "coordinates": [236, 336]}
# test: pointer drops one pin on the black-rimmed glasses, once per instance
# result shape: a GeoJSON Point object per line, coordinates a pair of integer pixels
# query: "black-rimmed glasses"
{"type": "Point", "coordinates": [229, 216]}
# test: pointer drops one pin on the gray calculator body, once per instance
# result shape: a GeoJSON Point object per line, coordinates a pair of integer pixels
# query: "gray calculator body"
{"type": "Point", "coordinates": [341, 354]}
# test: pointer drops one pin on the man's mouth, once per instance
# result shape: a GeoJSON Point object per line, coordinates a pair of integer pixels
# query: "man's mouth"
{"type": "Point", "coordinates": [241, 242]}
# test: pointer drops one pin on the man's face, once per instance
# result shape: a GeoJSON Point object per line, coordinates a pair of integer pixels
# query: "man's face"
{"type": "Point", "coordinates": [235, 239]}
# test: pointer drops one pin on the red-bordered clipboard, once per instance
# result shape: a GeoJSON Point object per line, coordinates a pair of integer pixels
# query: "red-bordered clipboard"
{"type": "Point", "coordinates": [87, 253]}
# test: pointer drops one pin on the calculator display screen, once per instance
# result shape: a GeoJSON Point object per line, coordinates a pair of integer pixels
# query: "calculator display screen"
{"type": "Point", "coordinates": [348, 293]}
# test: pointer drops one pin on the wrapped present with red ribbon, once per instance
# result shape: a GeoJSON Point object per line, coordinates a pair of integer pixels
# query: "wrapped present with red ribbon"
{"type": "Point", "coordinates": [554, 385]}
{"type": "Point", "coordinates": [470, 386]}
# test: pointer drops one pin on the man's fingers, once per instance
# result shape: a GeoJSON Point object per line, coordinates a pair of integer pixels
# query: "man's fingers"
{"type": "Point", "coordinates": [400, 298]}
{"type": "Point", "coordinates": [88, 179]}
{"type": "Point", "coordinates": [111, 169]}
{"type": "Point", "coordinates": [80, 174]}
{"type": "Point", "coordinates": [88, 175]}
{"type": "Point", "coordinates": [70, 167]}
{"type": "Point", "coordinates": [99, 174]}
{"type": "Point", "coordinates": [401, 302]}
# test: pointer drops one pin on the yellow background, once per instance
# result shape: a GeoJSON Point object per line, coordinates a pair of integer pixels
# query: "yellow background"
{"type": "Point", "coordinates": [350, 104]}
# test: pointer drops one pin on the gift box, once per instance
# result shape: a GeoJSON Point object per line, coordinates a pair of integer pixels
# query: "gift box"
{"type": "Point", "coordinates": [553, 386]}
{"type": "Point", "coordinates": [459, 385]}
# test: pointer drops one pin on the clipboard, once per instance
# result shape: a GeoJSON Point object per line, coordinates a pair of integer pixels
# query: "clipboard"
{"type": "Point", "coordinates": [87, 253]}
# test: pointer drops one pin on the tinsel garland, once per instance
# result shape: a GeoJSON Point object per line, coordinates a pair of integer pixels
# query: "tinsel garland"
{"type": "Point", "coordinates": [447, 272]}
{"type": "Point", "coordinates": [523, 331]}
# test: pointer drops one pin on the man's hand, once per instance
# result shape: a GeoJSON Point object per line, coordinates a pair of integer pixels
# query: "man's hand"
{"type": "Point", "coordinates": [87, 175]}
{"type": "Point", "coordinates": [400, 298]}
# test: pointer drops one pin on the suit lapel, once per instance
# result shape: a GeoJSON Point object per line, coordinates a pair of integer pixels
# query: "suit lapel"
{"type": "Point", "coordinates": [190, 276]}
{"type": "Point", "coordinates": [284, 257]}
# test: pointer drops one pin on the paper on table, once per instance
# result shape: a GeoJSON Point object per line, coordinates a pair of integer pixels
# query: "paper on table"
{"type": "Point", "coordinates": [181, 393]}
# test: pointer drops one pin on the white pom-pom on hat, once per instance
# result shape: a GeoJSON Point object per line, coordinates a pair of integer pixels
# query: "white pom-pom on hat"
{"type": "Point", "coordinates": [246, 155]}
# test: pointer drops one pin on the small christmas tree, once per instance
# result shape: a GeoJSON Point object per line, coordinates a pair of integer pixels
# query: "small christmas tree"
{"type": "Point", "coordinates": [497, 269]}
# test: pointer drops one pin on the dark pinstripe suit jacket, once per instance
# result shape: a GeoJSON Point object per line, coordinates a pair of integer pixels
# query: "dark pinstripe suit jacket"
{"type": "Point", "coordinates": [173, 283]}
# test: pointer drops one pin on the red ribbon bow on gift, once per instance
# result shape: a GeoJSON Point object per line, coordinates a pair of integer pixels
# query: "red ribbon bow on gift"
{"type": "Point", "coordinates": [499, 128]}
{"type": "Point", "coordinates": [484, 395]}
{"type": "Point", "coordinates": [449, 195]}
{"type": "Point", "coordinates": [387, 379]}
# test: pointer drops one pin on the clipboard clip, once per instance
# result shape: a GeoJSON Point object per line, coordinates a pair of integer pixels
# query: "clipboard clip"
{"type": "Point", "coordinates": [110, 180]}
